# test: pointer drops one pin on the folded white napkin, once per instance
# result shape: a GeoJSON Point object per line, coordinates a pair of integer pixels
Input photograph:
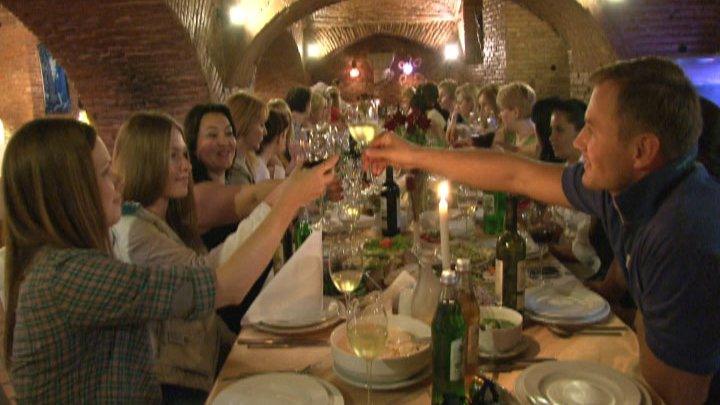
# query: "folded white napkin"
{"type": "Point", "coordinates": [391, 295]}
{"type": "Point", "coordinates": [296, 291]}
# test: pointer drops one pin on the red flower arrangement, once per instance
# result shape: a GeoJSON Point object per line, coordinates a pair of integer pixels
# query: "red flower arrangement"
{"type": "Point", "coordinates": [411, 127]}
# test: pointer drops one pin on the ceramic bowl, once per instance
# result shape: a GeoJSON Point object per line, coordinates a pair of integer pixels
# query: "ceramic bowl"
{"type": "Point", "coordinates": [500, 340]}
{"type": "Point", "coordinates": [385, 369]}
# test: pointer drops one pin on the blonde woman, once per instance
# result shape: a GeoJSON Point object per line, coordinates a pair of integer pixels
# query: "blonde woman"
{"type": "Point", "coordinates": [318, 108]}
{"type": "Point", "coordinates": [158, 229]}
{"type": "Point", "coordinates": [517, 133]}
{"type": "Point", "coordinates": [249, 114]}
{"type": "Point", "coordinates": [76, 321]}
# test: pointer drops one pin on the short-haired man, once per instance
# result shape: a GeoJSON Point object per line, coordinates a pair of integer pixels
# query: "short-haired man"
{"type": "Point", "coordinates": [659, 209]}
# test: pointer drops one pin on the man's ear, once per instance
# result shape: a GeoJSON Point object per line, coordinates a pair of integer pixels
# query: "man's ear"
{"type": "Point", "coordinates": [647, 154]}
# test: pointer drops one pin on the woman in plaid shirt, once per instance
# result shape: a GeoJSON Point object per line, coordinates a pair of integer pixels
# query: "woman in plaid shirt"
{"type": "Point", "coordinates": [76, 322]}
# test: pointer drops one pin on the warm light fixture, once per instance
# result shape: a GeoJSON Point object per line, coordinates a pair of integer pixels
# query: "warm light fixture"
{"type": "Point", "coordinates": [354, 71]}
{"type": "Point", "coordinates": [407, 68]}
{"type": "Point", "coordinates": [237, 14]}
{"type": "Point", "coordinates": [83, 117]}
{"type": "Point", "coordinates": [452, 52]}
{"type": "Point", "coordinates": [443, 190]}
{"type": "Point", "coordinates": [2, 133]}
{"type": "Point", "coordinates": [314, 50]}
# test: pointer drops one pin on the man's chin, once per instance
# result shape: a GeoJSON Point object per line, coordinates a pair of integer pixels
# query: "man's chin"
{"type": "Point", "coordinates": [588, 182]}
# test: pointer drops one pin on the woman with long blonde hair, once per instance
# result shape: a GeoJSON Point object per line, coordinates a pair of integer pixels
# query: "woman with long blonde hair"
{"type": "Point", "coordinates": [249, 114]}
{"type": "Point", "coordinates": [158, 228]}
{"type": "Point", "coordinates": [76, 320]}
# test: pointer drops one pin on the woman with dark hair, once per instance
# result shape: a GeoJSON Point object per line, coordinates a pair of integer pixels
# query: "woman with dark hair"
{"type": "Point", "coordinates": [211, 141]}
{"type": "Point", "coordinates": [298, 99]}
{"type": "Point", "coordinates": [426, 100]}
{"type": "Point", "coordinates": [273, 145]}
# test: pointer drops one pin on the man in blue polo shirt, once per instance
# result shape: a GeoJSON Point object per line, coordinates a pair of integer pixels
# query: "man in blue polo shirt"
{"type": "Point", "coordinates": [659, 209]}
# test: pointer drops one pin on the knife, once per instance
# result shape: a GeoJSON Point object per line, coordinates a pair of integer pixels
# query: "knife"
{"type": "Point", "coordinates": [281, 342]}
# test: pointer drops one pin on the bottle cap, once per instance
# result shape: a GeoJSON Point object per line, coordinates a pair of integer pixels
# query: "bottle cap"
{"type": "Point", "coordinates": [462, 265]}
{"type": "Point", "coordinates": [448, 277]}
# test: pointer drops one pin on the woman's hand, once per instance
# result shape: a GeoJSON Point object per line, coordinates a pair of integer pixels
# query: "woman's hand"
{"type": "Point", "coordinates": [306, 185]}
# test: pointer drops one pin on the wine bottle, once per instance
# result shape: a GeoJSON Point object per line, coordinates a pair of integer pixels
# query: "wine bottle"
{"type": "Point", "coordinates": [448, 345]}
{"type": "Point", "coordinates": [494, 207]}
{"type": "Point", "coordinates": [389, 209]}
{"type": "Point", "coordinates": [471, 313]}
{"type": "Point", "coordinates": [509, 269]}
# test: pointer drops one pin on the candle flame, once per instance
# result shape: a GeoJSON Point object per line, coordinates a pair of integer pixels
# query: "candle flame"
{"type": "Point", "coordinates": [443, 190]}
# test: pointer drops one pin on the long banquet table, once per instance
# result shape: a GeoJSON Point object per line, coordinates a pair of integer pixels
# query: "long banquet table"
{"type": "Point", "coordinates": [619, 352]}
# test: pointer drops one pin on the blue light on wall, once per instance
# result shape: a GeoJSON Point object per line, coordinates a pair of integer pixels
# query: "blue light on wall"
{"type": "Point", "coordinates": [704, 72]}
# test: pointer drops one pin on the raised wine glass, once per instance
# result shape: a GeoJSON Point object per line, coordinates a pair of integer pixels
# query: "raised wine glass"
{"type": "Point", "coordinates": [367, 331]}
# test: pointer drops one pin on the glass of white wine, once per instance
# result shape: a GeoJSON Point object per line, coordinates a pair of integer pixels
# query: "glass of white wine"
{"type": "Point", "coordinates": [363, 124]}
{"type": "Point", "coordinates": [367, 330]}
{"type": "Point", "coordinates": [346, 268]}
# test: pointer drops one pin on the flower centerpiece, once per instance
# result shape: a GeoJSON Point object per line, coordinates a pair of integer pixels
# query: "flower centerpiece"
{"type": "Point", "coordinates": [413, 127]}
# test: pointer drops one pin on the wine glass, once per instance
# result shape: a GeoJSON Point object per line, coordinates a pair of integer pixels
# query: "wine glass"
{"type": "Point", "coordinates": [467, 200]}
{"type": "Point", "coordinates": [349, 212]}
{"type": "Point", "coordinates": [345, 265]}
{"type": "Point", "coordinates": [543, 230]}
{"type": "Point", "coordinates": [367, 331]}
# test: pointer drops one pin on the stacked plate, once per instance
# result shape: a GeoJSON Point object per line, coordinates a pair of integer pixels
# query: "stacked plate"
{"type": "Point", "coordinates": [351, 379]}
{"type": "Point", "coordinates": [569, 303]}
{"type": "Point", "coordinates": [280, 389]}
{"type": "Point", "coordinates": [578, 382]}
{"type": "Point", "coordinates": [329, 316]}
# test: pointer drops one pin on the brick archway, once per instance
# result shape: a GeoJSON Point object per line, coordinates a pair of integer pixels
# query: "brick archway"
{"type": "Point", "coordinates": [123, 57]}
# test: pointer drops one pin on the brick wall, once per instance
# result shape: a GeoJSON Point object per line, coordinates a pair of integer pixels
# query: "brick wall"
{"type": "Point", "coordinates": [535, 53]}
{"type": "Point", "coordinates": [279, 69]}
{"type": "Point", "coordinates": [123, 56]}
{"type": "Point", "coordinates": [22, 98]}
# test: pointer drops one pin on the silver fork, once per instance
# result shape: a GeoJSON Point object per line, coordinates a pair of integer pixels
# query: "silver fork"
{"type": "Point", "coordinates": [303, 370]}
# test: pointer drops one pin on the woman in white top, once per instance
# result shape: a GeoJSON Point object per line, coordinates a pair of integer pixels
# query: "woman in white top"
{"type": "Point", "coordinates": [159, 229]}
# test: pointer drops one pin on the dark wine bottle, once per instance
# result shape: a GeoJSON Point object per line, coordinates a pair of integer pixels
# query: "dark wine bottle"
{"type": "Point", "coordinates": [390, 196]}
{"type": "Point", "coordinates": [510, 253]}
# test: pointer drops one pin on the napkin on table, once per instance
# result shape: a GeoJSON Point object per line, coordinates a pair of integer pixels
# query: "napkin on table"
{"type": "Point", "coordinates": [296, 291]}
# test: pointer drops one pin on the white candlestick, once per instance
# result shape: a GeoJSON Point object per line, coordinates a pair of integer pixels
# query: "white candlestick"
{"type": "Point", "coordinates": [443, 191]}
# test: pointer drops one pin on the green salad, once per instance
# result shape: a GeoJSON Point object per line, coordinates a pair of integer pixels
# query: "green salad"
{"type": "Point", "coordinates": [387, 246]}
{"type": "Point", "coordinates": [494, 323]}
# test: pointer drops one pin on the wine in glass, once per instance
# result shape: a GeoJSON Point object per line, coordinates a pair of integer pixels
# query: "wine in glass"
{"type": "Point", "coordinates": [363, 125]}
{"type": "Point", "coordinates": [346, 269]}
{"type": "Point", "coordinates": [367, 331]}
{"type": "Point", "coordinates": [543, 231]}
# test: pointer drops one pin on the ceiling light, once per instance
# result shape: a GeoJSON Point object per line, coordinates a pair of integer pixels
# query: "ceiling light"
{"type": "Point", "coordinates": [314, 50]}
{"type": "Point", "coordinates": [452, 52]}
{"type": "Point", "coordinates": [407, 68]}
{"type": "Point", "coordinates": [237, 14]}
{"type": "Point", "coordinates": [354, 71]}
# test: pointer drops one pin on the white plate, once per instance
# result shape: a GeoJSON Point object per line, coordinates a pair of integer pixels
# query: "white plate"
{"type": "Point", "coordinates": [568, 300]}
{"type": "Point", "coordinates": [331, 310]}
{"type": "Point", "coordinates": [378, 386]}
{"type": "Point", "coordinates": [275, 389]}
{"type": "Point", "coordinates": [515, 351]}
{"type": "Point", "coordinates": [336, 397]}
{"type": "Point", "coordinates": [599, 317]}
{"type": "Point", "coordinates": [578, 382]}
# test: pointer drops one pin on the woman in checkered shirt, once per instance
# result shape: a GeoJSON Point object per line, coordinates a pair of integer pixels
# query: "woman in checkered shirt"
{"type": "Point", "coordinates": [76, 321]}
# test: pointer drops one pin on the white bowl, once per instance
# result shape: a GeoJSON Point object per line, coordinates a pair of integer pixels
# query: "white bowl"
{"type": "Point", "coordinates": [500, 340]}
{"type": "Point", "coordinates": [458, 225]}
{"type": "Point", "coordinates": [384, 369]}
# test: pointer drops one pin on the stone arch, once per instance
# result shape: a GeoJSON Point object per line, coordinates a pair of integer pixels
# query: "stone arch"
{"type": "Point", "coordinates": [122, 56]}
{"type": "Point", "coordinates": [279, 68]}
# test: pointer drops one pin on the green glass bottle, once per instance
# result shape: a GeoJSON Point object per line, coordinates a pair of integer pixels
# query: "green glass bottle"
{"type": "Point", "coordinates": [494, 204]}
{"type": "Point", "coordinates": [448, 345]}
{"type": "Point", "coordinates": [509, 269]}
{"type": "Point", "coordinates": [302, 230]}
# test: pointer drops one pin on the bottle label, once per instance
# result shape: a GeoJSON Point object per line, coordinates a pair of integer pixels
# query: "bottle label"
{"type": "Point", "coordinates": [521, 285]}
{"type": "Point", "coordinates": [456, 363]}
{"type": "Point", "coordinates": [498, 280]}
{"type": "Point", "coordinates": [488, 204]}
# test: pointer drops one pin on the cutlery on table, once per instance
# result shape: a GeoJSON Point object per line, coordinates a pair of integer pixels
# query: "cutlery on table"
{"type": "Point", "coordinates": [566, 333]}
{"type": "Point", "coordinates": [281, 342]}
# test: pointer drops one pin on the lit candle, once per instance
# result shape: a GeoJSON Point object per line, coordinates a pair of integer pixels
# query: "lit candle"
{"type": "Point", "coordinates": [443, 192]}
